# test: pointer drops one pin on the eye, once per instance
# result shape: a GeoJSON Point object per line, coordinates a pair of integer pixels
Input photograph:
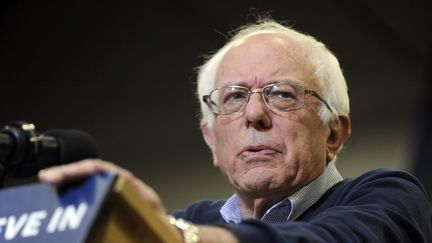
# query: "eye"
{"type": "Point", "coordinates": [281, 95]}
{"type": "Point", "coordinates": [234, 97]}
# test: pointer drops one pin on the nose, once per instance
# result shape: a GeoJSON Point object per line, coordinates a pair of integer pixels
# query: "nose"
{"type": "Point", "coordinates": [256, 112]}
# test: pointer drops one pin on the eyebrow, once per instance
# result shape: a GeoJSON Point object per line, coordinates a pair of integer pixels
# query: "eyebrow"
{"type": "Point", "coordinates": [244, 83]}
{"type": "Point", "coordinates": [235, 83]}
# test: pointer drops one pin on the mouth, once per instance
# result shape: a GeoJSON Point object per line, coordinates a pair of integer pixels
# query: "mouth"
{"type": "Point", "coordinates": [258, 150]}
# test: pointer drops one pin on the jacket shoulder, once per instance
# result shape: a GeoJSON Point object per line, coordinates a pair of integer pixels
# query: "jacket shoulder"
{"type": "Point", "coordinates": [202, 212]}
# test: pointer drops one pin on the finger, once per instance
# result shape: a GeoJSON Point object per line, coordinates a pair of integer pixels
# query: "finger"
{"type": "Point", "coordinates": [63, 173]}
{"type": "Point", "coordinates": [73, 171]}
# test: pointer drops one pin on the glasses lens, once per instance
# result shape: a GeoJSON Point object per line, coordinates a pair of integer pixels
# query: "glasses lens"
{"type": "Point", "coordinates": [284, 97]}
{"type": "Point", "coordinates": [228, 100]}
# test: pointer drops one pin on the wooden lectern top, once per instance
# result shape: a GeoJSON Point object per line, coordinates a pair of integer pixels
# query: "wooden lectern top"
{"type": "Point", "coordinates": [102, 208]}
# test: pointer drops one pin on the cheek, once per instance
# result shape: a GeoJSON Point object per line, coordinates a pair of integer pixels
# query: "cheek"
{"type": "Point", "coordinates": [228, 142]}
{"type": "Point", "coordinates": [304, 141]}
{"type": "Point", "coordinates": [228, 130]}
{"type": "Point", "coordinates": [233, 120]}
{"type": "Point", "coordinates": [225, 143]}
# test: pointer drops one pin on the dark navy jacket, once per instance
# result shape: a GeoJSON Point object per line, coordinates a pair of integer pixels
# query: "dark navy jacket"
{"type": "Point", "coordinates": [379, 206]}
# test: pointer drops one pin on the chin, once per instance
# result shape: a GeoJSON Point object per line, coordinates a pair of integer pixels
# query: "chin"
{"type": "Point", "coordinates": [261, 180]}
{"type": "Point", "coordinates": [260, 187]}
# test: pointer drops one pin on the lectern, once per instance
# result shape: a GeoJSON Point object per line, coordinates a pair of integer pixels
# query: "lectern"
{"type": "Point", "coordinates": [102, 208]}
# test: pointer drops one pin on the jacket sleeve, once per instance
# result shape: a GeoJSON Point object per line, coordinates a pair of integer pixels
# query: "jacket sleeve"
{"type": "Point", "coordinates": [383, 206]}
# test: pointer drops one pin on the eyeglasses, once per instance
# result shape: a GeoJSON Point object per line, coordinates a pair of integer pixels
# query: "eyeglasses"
{"type": "Point", "coordinates": [278, 97]}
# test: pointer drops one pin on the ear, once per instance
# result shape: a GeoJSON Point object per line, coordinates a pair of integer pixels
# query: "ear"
{"type": "Point", "coordinates": [209, 139]}
{"type": "Point", "coordinates": [340, 130]}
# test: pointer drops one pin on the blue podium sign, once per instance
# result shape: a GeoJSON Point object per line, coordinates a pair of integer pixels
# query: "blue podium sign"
{"type": "Point", "coordinates": [40, 212]}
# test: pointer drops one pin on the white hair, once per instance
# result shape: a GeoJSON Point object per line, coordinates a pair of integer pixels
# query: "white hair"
{"type": "Point", "coordinates": [327, 72]}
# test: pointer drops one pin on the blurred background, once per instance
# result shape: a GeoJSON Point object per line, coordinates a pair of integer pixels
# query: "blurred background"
{"type": "Point", "coordinates": [124, 72]}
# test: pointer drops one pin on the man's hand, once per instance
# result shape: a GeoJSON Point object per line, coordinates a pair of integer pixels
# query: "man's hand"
{"type": "Point", "coordinates": [60, 174]}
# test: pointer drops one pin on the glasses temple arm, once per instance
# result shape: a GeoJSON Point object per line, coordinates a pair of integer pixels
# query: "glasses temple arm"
{"type": "Point", "coordinates": [312, 92]}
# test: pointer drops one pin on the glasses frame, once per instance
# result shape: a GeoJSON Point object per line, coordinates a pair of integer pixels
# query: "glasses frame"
{"type": "Point", "coordinates": [206, 98]}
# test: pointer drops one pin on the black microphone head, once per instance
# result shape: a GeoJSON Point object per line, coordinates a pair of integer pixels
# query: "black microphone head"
{"type": "Point", "coordinates": [73, 145]}
{"type": "Point", "coordinates": [25, 151]}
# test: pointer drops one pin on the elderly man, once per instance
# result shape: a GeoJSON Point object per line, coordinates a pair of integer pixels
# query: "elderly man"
{"type": "Point", "coordinates": [275, 115]}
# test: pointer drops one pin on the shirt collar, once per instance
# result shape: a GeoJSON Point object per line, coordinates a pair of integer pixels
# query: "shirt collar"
{"type": "Point", "coordinates": [294, 205]}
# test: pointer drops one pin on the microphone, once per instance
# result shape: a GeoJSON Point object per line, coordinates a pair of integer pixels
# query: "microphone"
{"type": "Point", "coordinates": [24, 151]}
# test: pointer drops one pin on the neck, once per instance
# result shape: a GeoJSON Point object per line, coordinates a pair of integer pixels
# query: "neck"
{"type": "Point", "coordinates": [255, 208]}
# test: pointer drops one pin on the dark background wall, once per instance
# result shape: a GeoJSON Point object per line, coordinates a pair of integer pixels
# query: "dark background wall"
{"type": "Point", "coordinates": [123, 71]}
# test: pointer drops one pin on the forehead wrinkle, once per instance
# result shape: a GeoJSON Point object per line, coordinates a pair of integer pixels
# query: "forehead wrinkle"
{"type": "Point", "coordinates": [241, 82]}
{"type": "Point", "coordinates": [288, 53]}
